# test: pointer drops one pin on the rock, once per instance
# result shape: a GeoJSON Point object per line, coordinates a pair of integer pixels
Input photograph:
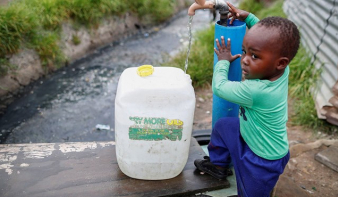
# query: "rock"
{"type": "Point", "coordinates": [329, 157]}
{"type": "Point", "coordinates": [207, 120]}
{"type": "Point", "coordinates": [293, 142]}
{"type": "Point", "coordinates": [286, 187]}
{"type": "Point", "coordinates": [29, 66]}
{"type": "Point", "coordinates": [8, 85]}
{"type": "Point", "coordinates": [298, 149]}
{"type": "Point", "coordinates": [200, 99]}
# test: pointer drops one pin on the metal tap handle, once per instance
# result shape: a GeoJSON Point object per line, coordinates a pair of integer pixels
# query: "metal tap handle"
{"type": "Point", "coordinates": [222, 6]}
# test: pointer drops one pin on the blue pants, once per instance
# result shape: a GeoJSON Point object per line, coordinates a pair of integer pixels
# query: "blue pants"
{"type": "Point", "coordinates": [255, 176]}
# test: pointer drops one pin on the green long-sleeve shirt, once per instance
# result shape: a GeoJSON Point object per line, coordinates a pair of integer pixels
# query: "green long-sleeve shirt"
{"type": "Point", "coordinates": [263, 111]}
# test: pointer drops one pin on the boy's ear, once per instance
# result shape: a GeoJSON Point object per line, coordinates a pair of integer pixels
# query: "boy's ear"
{"type": "Point", "coordinates": [282, 63]}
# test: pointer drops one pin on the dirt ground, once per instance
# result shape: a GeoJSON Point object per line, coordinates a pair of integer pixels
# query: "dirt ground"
{"type": "Point", "coordinates": [303, 176]}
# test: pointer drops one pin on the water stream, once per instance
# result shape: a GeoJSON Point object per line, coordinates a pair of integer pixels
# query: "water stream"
{"type": "Point", "coordinates": [189, 46]}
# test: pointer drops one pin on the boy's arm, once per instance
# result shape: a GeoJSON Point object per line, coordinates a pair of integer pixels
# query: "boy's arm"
{"type": "Point", "coordinates": [235, 92]}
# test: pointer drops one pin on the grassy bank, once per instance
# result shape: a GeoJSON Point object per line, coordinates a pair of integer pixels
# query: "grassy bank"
{"type": "Point", "coordinates": [36, 24]}
{"type": "Point", "coordinates": [303, 75]}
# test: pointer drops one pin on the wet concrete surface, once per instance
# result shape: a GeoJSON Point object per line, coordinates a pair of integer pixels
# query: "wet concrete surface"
{"type": "Point", "coordinates": [68, 104]}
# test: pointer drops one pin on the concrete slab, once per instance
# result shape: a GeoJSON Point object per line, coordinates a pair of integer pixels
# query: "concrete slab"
{"type": "Point", "coordinates": [232, 190]}
{"type": "Point", "coordinates": [89, 169]}
{"type": "Point", "coordinates": [329, 157]}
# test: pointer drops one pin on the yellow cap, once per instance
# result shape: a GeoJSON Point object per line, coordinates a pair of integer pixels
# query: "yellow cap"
{"type": "Point", "coordinates": [145, 70]}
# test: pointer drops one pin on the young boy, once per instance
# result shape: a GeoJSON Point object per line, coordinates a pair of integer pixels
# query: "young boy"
{"type": "Point", "coordinates": [256, 142]}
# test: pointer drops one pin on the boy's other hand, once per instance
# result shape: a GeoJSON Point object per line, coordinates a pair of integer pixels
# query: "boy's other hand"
{"type": "Point", "coordinates": [236, 13]}
{"type": "Point", "coordinates": [223, 51]}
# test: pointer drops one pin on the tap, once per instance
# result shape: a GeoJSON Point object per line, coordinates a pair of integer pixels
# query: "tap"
{"type": "Point", "coordinates": [203, 4]}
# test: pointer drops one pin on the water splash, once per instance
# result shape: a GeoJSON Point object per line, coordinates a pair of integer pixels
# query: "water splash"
{"type": "Point", "coordinates": [190, 36]}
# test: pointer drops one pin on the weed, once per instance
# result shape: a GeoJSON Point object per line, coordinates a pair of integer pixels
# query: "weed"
{"type": "Point", "coordinates": [90, 12]}
{"type": "Point", "coordinates": [152, 11]}
{"type": "Point", "coordinates": [15, 24]}
{"type": "Point", "coordinates": [5, 66]}
{"type": "Point", "coordinates": [75, 39]}
{"type": "Point", "coordinates": [273, 10]}
{"type": "Point", "coordinates": [50, 12]}
{"type": "Point", "coordinates": [47, 46]}
{"type": "Point", "coordinates": [252, 6]}
{"type": "Point", "coordinates": [303, 76]}
{"type": "Point", "coordinates": [303, 80]}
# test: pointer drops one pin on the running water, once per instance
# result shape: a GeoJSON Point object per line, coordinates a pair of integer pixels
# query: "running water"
{"type": "Point", "coordinates": [190, 35]}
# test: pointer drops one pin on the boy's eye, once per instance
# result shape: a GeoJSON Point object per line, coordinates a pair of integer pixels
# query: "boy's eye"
{"type": "Point", "coordinates": [254, 56]}
{"type": "Point", "coordinates": [243, 51]}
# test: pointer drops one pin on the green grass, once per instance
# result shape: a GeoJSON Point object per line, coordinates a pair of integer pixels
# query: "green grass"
{"type": "Point", "coordinates": [50, 13]}
{"type": "Point", "coordinates": [47, 46]}
{"type": "Point", "coordinates": [37, 23]}
{"type": "Point", "coordinates": [90, 12]}
{"type": "Point", "coordinates": [251, 6]}
{"type": "Point", "coordinates": [274, 10]}
{"type": "Point", "coordinates": [16, 23]}
{"type": "Point", "coordinates": [303, 75]}
{"type": "Point", "coordinates": [302, 79]}
{"type": "Point", "coordinates": [7, 68]}
{"type": "Point", "coordinates": [157, 14]}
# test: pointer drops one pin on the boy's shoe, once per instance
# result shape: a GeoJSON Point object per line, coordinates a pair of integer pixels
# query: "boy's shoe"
{"type": "Point", "coordinates": [206, 166]}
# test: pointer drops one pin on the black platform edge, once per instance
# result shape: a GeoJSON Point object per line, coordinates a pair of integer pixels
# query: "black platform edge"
{"type": "Point", "coordinates": [202, 136]}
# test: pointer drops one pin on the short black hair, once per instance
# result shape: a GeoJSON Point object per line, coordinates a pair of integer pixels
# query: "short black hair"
{"type": "Point", "coordinates": [288, 34]}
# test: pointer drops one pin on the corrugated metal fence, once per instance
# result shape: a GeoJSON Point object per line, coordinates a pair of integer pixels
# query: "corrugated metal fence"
{"type": "Point", "coordinates": [318, 24]}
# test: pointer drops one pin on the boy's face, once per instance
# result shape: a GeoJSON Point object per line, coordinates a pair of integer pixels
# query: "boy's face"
{"type": "Point", "coordinates": [261, 53]}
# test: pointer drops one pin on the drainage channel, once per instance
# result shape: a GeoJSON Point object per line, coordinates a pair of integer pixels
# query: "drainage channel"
{"type": "Point", "coordinates": [69, 105]}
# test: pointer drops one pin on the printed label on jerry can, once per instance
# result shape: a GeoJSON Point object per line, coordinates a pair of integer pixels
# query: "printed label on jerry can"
{"type": "Point", "coordinates": [155, 129]}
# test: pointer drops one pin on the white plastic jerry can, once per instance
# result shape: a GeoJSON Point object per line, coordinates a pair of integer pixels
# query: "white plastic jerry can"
{"type": "Point", "coordinates": [154, 111]}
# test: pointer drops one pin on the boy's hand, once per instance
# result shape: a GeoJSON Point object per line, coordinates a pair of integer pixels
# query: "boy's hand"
{"type": "Point", "coordinates": [224, 52]}
{"type": "Point", "coordinates": [236, 13]}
